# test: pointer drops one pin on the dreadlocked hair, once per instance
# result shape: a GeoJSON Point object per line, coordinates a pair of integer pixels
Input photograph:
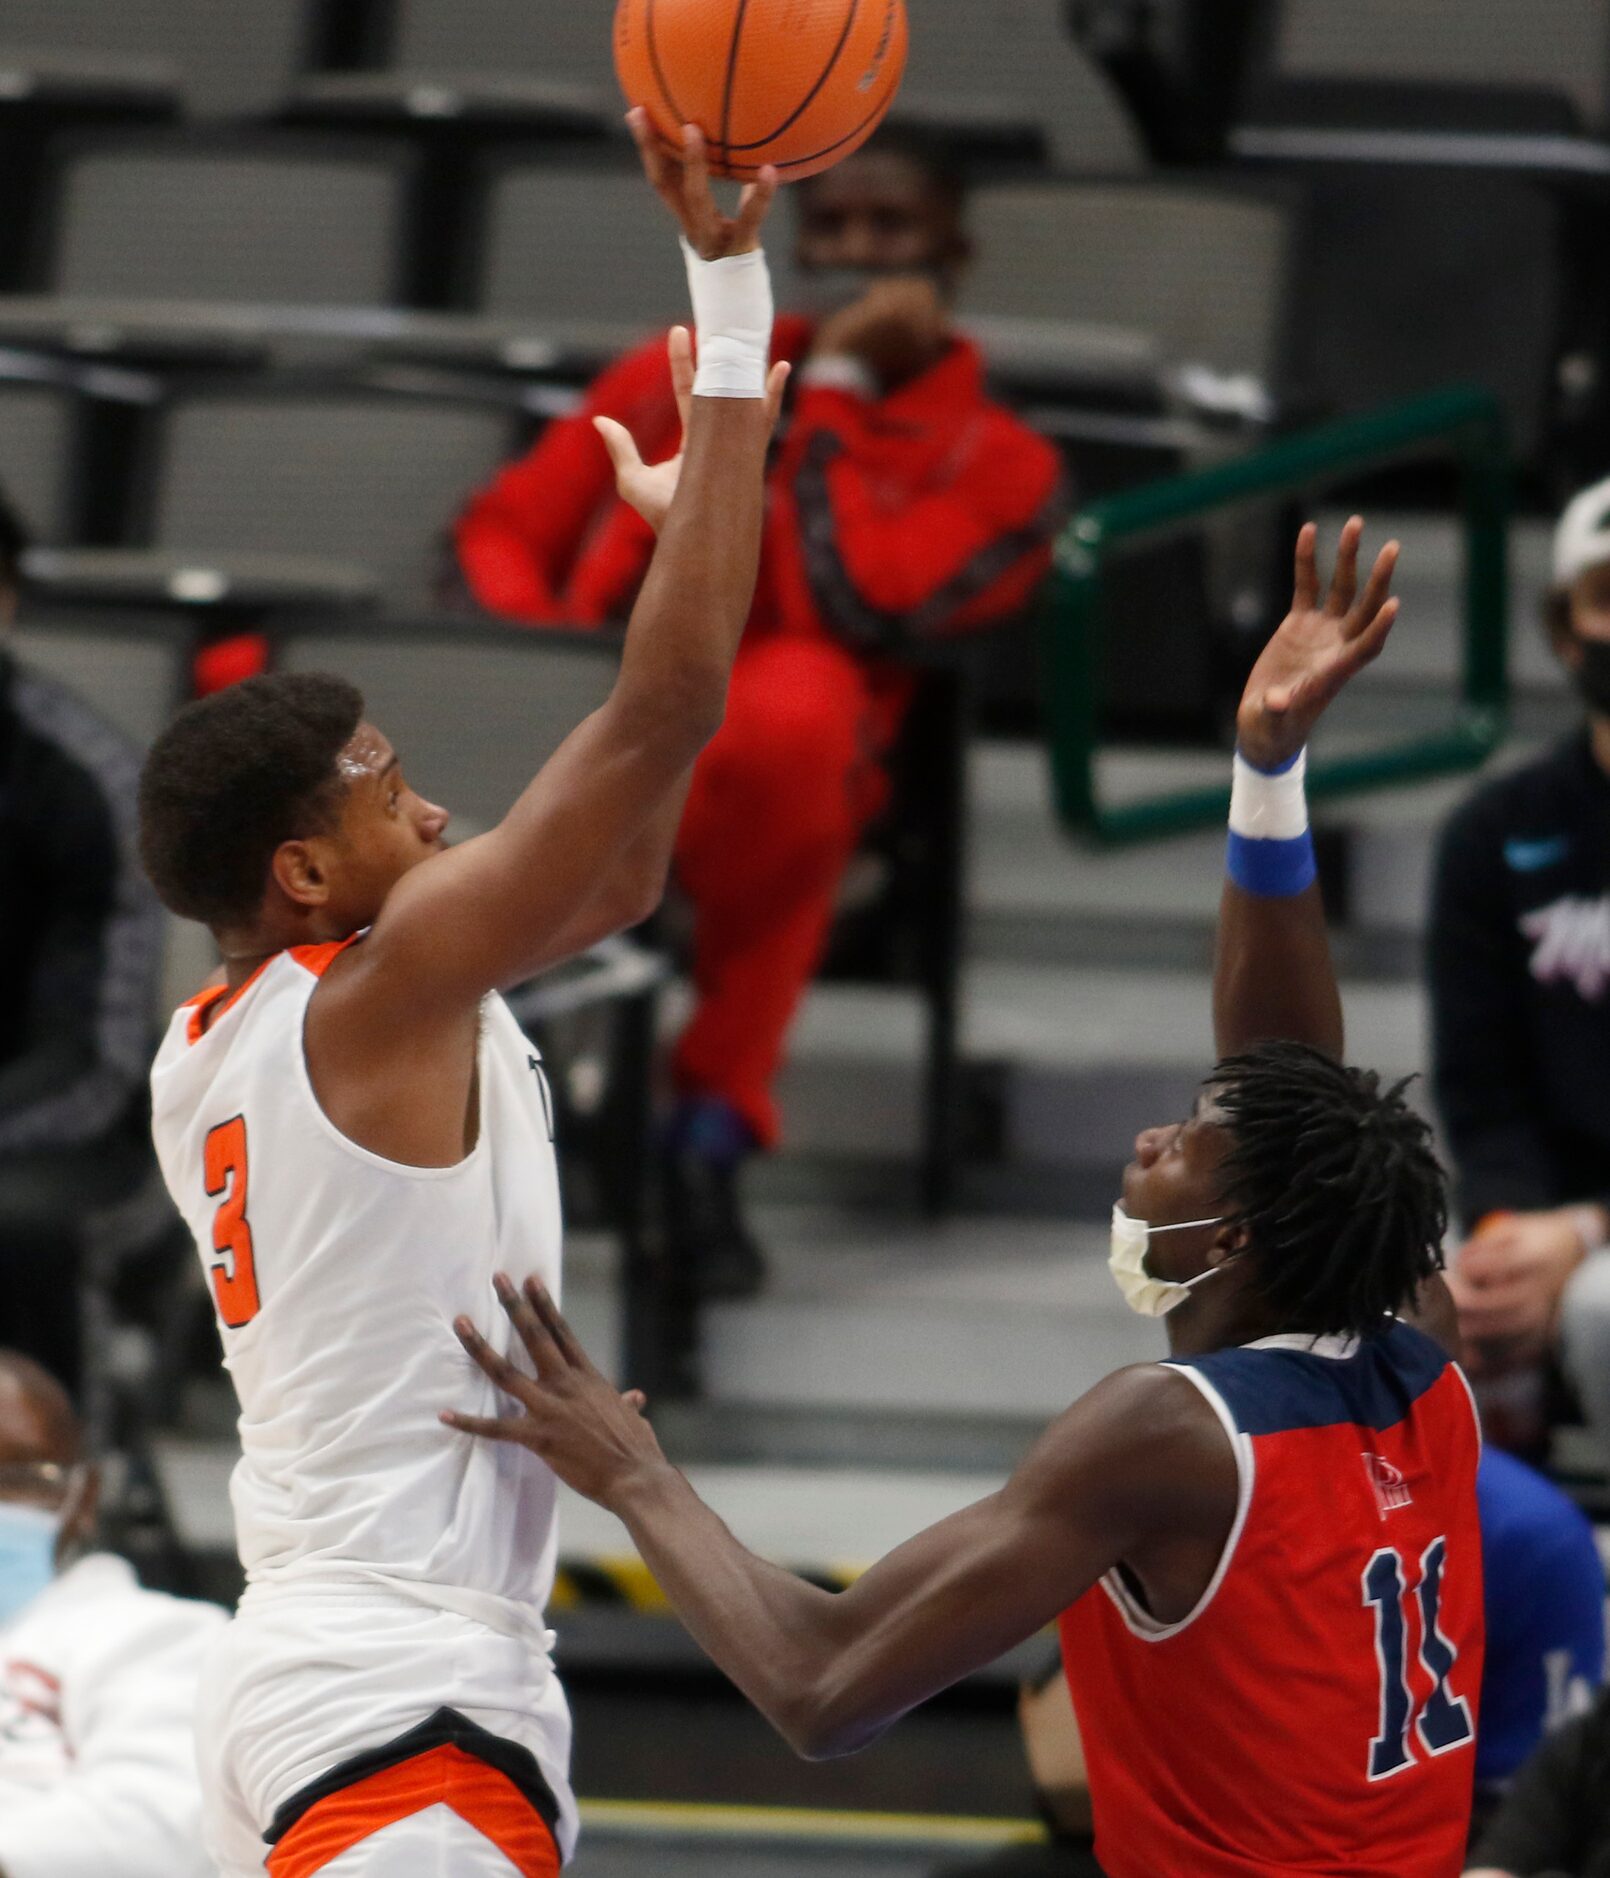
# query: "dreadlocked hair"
{"type": "Point", "coordinates": [1335, 1181]}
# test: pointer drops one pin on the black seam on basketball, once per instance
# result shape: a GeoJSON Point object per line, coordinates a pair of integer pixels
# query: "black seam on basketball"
{"type": "Point", "coordinates": [732, 79]}
{"type": "Point", "coordinates": [872, 116]}
{"type": "Point", "coordinates": [659, 73]}
{"type": "Point", "coordinates": [813, 94]}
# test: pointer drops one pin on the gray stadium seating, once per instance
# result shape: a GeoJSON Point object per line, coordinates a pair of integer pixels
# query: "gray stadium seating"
{"type": "Point", "coordinates": [1200, 272]}
{"type": "Point", "coordinates": [996, 65]}
{"type": "Point", "coordinates": [229, 218]}
{"type": "Point", "coordinates": [39, 440]}
{"type": "Point", "coordinates": [451, 60]}
{"type": "Point", "coordinates": [370, 476]}
{"type": "Point", "coordinates": [133, 669]}
{"type": "Point", "coordinates": [228, 57]}
{"type": "Point", "coordinates": [473, 710]}
{"type": "Point", "coordinates": [1560, 46]}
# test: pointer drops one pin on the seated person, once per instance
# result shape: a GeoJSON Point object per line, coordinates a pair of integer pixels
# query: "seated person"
{"type": "Point", "coordinates": [904, 506]}
{"type": "Point", "coordinates": [1520, 997]}
{"type": "Point", "coordinates": [97, 1676]}
{"type": "Point", "coordinates": [1555, 1821]}
{"type": "Point", "coordinates": [79, 955]}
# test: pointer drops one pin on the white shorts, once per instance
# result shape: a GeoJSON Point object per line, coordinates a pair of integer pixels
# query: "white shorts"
{"type": "Point", "coordinates": [299, 1684]}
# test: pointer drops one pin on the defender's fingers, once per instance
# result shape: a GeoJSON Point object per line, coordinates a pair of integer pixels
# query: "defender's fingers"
{"type": "Point", "coordinates": [621, 445]}
{"type": "Point", "coordinates": [777, 390]}
{"type": "Point", "coordinates": [1305, 590]}
{"type": "Point", "coordinates": [1344, 583]}
{"type": "Point", "coordinates": [680, 348]}
{"type": "Point", "coordinates": [562, 1336]}
{"type": "Point", "coordinates": [501, 1371]}
{"type": "Point", "coordinates": [754, 205]}
{"type": "Point", "coordinates": [488, 1427]}
{"type": "Point", "coordinates": [1379, 586]}
{"type": "Point", "coordinates": [635, 1399]}
{"type": "Point", "coordinates": [698, 199]}
{"type": "Point", "coordinates": [530, 1329]}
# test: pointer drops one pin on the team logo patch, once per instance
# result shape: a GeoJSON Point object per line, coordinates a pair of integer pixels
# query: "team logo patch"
{"type": "Point", "coordinates": [1391, 1489]}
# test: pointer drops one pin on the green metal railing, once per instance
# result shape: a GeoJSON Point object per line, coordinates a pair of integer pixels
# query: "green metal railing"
{"type": "Point", "coordinates": [1465, 423]}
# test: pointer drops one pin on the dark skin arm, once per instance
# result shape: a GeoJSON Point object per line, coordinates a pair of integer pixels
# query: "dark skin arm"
{"type": "Point", "coordinates": [1140, 1466]}
{"type": "Point", "coordinates": [1272, 974]}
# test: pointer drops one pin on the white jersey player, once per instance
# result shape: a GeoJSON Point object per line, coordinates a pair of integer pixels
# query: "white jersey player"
{"type": "Point", "coordinates": [358, 1136]}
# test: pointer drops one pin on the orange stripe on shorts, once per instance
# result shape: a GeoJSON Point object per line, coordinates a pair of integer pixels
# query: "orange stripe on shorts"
{"type": "Point", "coordinates": [444, 1776]}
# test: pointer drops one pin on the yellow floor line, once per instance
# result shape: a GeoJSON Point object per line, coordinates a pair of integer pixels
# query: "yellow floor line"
{"type": "Point", "coordinates": [690, 1819]}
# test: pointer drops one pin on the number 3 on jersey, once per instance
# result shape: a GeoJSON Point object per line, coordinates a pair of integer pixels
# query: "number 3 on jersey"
{"type": "Point", "coordinates": [233, 1266]}
{"type": "Point", "coordinates": [1444, 1718]}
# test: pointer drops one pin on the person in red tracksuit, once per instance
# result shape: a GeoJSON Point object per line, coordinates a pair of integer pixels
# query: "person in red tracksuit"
{"type": "Point", "coordinates": [903, 505]}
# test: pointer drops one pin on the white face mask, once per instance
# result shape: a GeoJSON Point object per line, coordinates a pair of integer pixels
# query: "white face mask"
{"type": "Point", "coordinates": [1151, 1297]}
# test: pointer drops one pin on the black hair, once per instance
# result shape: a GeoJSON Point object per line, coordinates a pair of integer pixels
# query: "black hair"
{"type": "Point", "coordinates": [1335, 1182]}
{"type": "Point", "coordinates": [925, 150]}
{"type": "Point", "coordinates": [14, 544]}
{"type": "Point", "coordinates": [234, 776]}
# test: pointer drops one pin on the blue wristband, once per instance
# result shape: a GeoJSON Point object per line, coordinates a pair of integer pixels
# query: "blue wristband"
{"type": "Point", "coordinates": [1272, 870]}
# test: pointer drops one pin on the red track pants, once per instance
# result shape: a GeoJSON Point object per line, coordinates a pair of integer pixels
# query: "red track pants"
{"type": "Point", "coordinates": [779, 801]}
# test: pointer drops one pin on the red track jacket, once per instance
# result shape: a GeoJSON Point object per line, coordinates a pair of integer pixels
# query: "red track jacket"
{"type": "Point", "coordinates": [925, 512]}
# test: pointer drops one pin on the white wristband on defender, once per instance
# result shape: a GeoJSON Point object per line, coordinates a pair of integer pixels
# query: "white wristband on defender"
{"type": "Point", "coordinates": [1269, 807]}
{"type": "Point", "coordinates": [732, 311]}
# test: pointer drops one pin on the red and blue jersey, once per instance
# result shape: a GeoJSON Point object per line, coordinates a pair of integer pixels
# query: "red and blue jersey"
{"type": "Point", "coordinates": [1316, 1712]}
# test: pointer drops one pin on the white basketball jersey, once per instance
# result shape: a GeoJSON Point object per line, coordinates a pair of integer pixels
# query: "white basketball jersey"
{"type": "Point", "coordinates": [337, 1275]}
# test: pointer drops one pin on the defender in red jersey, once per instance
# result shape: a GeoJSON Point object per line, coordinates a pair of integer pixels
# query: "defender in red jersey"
{"type": "Point", "coordinates": [1264, 1550]}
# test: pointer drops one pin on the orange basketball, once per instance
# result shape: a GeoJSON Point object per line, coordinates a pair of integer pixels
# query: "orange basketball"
{"type": "Point", "coordinates": [796, 83]}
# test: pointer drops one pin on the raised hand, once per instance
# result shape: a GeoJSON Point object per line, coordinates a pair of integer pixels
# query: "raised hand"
{"type": "Point", "coordinates": [1317, 648]}
{"type": "Point", "coordinates": [683, 185]}
{"type": "Point", "coordinates": [651, 487]}
{"type": "Point", "coordinates": [593, 1438]}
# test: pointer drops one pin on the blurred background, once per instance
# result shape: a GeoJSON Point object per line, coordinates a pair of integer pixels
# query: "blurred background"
{"type": "Point", "coordinates": [283, 284]}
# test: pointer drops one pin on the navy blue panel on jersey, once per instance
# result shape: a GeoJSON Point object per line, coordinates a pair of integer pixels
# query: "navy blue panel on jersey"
{"type": "Point", "coordinates": [1272, 1391]}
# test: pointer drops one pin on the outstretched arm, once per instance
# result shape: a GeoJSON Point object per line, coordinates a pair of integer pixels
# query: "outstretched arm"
{"type": "Point", "coordinates": [1141, 1454]}
{"type": "Point", "coordinates": [498, 909]}
{"type": "Point", "coordinates": [1273, 976]}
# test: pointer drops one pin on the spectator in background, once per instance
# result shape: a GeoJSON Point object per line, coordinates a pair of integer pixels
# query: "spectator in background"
{"type": "Point", "coordinates": [79, 955]}
{"type": "Point", "coordinates": [904, 506]}
{"type": "Point", "coordinates": [1555, 1820]}
{"type": "Point", "coordinates": [97, 1676]}
{"type": "Point", "coordinates": [1520, 994]}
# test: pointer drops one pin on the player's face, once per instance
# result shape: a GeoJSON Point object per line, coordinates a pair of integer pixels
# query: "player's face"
{"type": "Point", "coordinates": [1590, 604]}
{"type": "Point", "coordinates": [1175, 1176]}
{"type": "Point", "coordinates": [386, 829]}
{"type": "Point", "coordinates": [878, 213]}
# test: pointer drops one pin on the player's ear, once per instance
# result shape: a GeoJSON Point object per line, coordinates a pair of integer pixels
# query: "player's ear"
{"type": "Point", "coordinates": [1229, 1242]}
{"type": "Point", "coordinates": [300, 874]}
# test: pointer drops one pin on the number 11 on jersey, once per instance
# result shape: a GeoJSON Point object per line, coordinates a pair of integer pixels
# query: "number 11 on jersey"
{"type": "Point", "coordinates": [233, 1264]}
{"type": "Point", "coordinates": [1444, 1719]}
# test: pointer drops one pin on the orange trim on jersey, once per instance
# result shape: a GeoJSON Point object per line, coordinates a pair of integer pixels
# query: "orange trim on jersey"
{"type": "Point", "coordinates": [208, 1005]}
{"type": "Point", "coordinates": [444, 1776]}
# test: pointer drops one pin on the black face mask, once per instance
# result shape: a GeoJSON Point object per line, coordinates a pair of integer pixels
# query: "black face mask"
{"type": "Point", "coordinates": [1592, 674]}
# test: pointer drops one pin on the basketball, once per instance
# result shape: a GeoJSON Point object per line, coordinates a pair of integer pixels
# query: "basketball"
{"type": "Point", "coordinates": [799, 84]}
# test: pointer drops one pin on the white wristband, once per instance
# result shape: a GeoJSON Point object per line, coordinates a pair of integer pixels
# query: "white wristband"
{"type": "Point", "coordinates": [732, 311]}
{"type": "Point", "coordinates": [1266, 807]}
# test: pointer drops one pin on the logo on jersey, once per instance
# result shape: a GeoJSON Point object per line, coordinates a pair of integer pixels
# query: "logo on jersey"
{"type": "Point", "coordinates": [1391, 1489]}
{"type": "Point", "coordinates": [1571, 941]}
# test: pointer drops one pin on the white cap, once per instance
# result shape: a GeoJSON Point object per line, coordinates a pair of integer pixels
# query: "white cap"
{"type": "Point", "coordinates": [1582, 539]}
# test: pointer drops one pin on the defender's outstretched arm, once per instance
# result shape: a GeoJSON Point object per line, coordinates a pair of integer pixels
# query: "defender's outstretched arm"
{"type": "Point", "coordinates": [1273, 976]}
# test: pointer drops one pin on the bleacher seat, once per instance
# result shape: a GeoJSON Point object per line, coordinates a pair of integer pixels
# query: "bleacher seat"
{"type": "Point", "coordinates": [1548, 48]}
{"type": "Point", "coordinates": [365, 474]}
{"type": "Point", "coordinates": [227, 59]}
{"type": "Point", "coordinates": [40, 438]}
{"type": "Point", "coordinates": [1202, 272]}
{"type": "Point", "coordinates": [474, 709]}
{"type": "Point", "coordinates": [228, 217]}
{"type": "Point", "coordinates": [1009, 71]}
{"type": "Point", "coordinates": [577, 243]}
{"type": "Point", "coordinates": [548, 62]}
{"type": "Point", "coordinates": [134, 669]}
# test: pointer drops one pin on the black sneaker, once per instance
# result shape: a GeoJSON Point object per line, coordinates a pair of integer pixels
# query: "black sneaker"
{"type": "Point", "coordinates": [706, 1240]}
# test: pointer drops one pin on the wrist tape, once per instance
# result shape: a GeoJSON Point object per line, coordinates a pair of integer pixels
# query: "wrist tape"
{"type": "Point", "coordinates": [732, 312]}
{"type": "Point", "coordinates": [1271, 851]}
